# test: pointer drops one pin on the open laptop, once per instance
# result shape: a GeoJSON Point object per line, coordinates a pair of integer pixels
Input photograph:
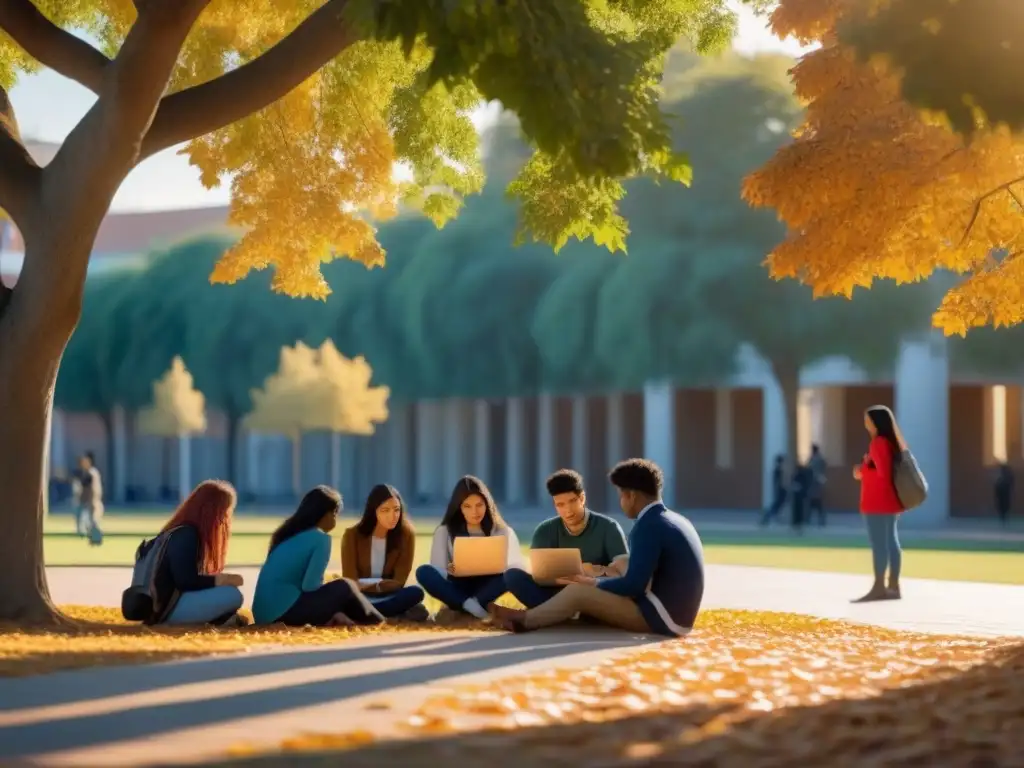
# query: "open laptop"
{"type": "Point", "coordinates": [549, 565]}
{"type": "Point", "coordinates": [480, 555]}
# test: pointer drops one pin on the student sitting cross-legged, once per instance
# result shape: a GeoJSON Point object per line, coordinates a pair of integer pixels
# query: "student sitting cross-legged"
{"type": "Point", "coordinates": [291, 588]}
{"type": "Point", "coordinates": [663, 586]}
{"type": "Point", "coordinates": [471, 512]}
{"type": "Point", "coordinates": [600, 539]}
{"type": "Point", "coordinates": [378, 552]}
{"type": "Point", "coordinates": [188, 585]}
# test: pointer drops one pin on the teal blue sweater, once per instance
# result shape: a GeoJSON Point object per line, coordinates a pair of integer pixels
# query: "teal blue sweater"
{"type": "Point", "coordinates": [295, 566]}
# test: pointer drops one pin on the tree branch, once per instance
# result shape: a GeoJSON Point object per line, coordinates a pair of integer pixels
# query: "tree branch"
{"type": "Point", "coordinates": [52, 46]}
{"type": "Point", "coordinates": [976, 209]}
{"type": "Point", "coordinates": [251, 87]}
{"type": "Point", "coordinates": [20, 176]}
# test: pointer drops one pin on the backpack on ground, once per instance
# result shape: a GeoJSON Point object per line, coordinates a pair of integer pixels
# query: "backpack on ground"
{"type": "Point", "coordinates": [140, 602]}
{"type": "Point", "coordinates": [910, 482]}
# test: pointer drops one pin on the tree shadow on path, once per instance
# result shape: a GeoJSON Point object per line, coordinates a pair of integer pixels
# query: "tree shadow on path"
{"type": "Point", "coordinates": [61, 732]}
{"type": "Point", "coordinates": [971, 719]}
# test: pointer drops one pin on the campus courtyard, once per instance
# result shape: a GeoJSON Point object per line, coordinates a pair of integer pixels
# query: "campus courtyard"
{"type": "Point", "coordinates": [780, 669]}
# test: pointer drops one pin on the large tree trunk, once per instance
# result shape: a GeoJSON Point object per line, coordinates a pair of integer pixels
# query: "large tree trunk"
{"type": "Point", "coordinates": [28, 373]}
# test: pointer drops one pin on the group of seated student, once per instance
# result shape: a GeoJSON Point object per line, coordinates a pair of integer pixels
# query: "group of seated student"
{"type": "Point", "coordinates": [653, 584]}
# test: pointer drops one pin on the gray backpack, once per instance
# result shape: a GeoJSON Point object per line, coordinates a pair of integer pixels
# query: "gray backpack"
{"type": "Point", "coordinates": [911, 484]}
{"type": "Point", "coordinates": [140, 602]}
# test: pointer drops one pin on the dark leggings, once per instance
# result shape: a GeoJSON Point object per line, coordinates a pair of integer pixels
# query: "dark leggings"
{"type": "Point", "coordinates": [317, 608]}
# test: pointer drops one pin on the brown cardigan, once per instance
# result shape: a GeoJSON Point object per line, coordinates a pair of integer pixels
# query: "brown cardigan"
{"type": "Point", "coordinates": [355, 559]}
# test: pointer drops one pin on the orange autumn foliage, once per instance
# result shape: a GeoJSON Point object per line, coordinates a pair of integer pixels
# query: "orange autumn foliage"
{"type": "Point", "coordinates": [872, 188]}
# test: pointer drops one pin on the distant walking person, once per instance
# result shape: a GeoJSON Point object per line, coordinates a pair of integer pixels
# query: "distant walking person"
{"type": "Point", "coordinates": [87, 493]}
{"type": "Point", "coordinates": [800, 489]}
{"type": "Point", "coordinates": [778, 490]}
{"type": "Point", "coordinates": [1004, 492]}
{"type": "Point", "coordinates": [816, 494]}
{"type": "Point", "coordinates": [880, 505]}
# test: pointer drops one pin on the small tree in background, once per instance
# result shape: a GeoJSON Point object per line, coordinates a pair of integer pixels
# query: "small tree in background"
{"type": "Point", "coordinates": [178, 411]}
{"type": "Point", "coordinates": [318, 390]}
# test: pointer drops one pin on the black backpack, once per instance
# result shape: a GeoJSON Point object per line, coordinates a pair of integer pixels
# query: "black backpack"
{"type": "Point", "coordinates": [140, 602]}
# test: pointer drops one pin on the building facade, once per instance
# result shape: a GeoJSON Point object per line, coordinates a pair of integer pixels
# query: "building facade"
{"type": "Point", "coordinates": [717, 446]}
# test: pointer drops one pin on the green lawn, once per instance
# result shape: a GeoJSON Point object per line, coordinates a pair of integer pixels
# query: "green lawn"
{"type": "Point", "coordinates": [991, 561]}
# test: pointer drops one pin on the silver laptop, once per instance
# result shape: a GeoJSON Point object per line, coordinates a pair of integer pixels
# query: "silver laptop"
{"type": "Point", "coordinates": [480, 555]}
{"type": "Point", "coordinates": [549, 565]}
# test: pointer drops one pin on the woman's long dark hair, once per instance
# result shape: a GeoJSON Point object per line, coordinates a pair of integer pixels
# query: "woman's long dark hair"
{"type": "Point", "coordinates": [368, 522]}
{"type": "Point", "coordinates": [453, 518]}
{"type": "Point", "coordinates": [885, 426]}
{"type": "Point", "coordinates": [314, 505]}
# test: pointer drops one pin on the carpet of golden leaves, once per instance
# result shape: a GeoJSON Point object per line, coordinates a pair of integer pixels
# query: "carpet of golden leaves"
{"type": "Point", "coordinates": [105, 639]}
{"type": "Point", "coordinates": [745, 689]}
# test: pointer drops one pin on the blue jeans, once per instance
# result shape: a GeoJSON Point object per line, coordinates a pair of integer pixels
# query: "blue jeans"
{"type": "Point", "coordinates": [527, 591]}
{"type": "Point", "coordinates": [397, 603]}
{"type": "Point", "coordinates": [885, 545]}
{"type": "Point", "coordinates": [204, 606]}
{"type": "Point", "coordinates": [453, 591]}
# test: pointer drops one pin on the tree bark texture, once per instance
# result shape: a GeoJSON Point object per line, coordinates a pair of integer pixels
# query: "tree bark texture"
{"type": "Point", "coordinates": [28, 376]}
{"type": "Point", "coordinates": [58, 210]}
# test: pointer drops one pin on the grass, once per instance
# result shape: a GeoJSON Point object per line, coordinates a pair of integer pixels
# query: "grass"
{"type": "Point", "coordinates": [981, 561]}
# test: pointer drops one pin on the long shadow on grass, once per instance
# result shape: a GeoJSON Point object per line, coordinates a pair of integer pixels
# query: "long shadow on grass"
{"type": "Point", "coordinates": [59, 732]}
{"type": "Point", "coordinates": [972, 719]}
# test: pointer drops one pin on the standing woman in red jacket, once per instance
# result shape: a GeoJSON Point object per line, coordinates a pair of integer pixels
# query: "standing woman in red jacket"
{"type": "Point", "coordinates": [879, 503]}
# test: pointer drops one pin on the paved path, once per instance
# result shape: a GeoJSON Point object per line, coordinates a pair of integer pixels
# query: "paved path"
{"type": "Point", "coordinates": [197, 709]}
{"type": "Point", "coordinates": [928, 605]}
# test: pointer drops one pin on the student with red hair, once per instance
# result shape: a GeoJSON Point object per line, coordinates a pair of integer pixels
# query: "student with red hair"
{"type": "Point", "coordinates": [191, 575]}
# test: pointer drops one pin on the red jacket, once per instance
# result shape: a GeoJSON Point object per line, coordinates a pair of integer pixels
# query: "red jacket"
{"type": "Point", "coordinates": [877, 491]}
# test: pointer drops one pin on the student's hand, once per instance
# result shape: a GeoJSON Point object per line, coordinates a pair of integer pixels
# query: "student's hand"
{"type": "Point", "coordinates": [589, 569]}
{"type": "Point", "coordinates": [228, 580]}
{"type": "Point", "coordinates": [388, 585]}
{"type": "Point", "coordinates": [451, 569]}
{"type": "Point", "coordinates": [856, 472]}
{"type": "Point", "coordinates": [590, 581]}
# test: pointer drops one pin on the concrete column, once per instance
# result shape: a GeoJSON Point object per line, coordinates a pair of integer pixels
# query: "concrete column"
{"type": "Point", "coordinates": [659, 431]}
{"type": "Point", "coordinates": [580, 433]}
{"type": "Point", "coordinates": [615, 449]}
{"type": "Point", "coordinates": [58, 445]}
{"type": "Point", "coordinates": [773, 434]}
{"type": "Point", "coordinates": [482, 439]}
{"type": "Point", "coordinates": [830, 429]}
{"type": "Point", "coordinates": [428, 457]}
{"type": "Point", "coordinates": [397, 432]}
{"type": "Point", "coordinates": [335, 459]}
{"type": "Point", "coordinates": [184, 465]}
{"type": "Point", "coordinates": [456, 439]}
{"type": "Point", "coordinates": [514, 451]}
{"type": "Point", "coordinates": [922, 411]}
{"type": "Point", "coordinates": [252, 462]}
{"type": "Point", "coordinates": [723, 429]}
{"type": "Point", "coordinates": [545, 442]}
{"type": "Point", "coordinates": [120, 457]}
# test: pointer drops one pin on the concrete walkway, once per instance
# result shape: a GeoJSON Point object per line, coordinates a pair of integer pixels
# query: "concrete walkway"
{"type": "Point", "coordinates": [194, 711]}
{"type": "Point", "coordinates": [197, 709]}
{"type": "Point", "coordinates": [928, 605]}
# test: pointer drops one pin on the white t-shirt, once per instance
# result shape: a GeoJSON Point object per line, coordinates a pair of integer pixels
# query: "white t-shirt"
{"type": "Point", "coordinates": [441, 547]}
{"type": "Point", "coordinates": [378, 554]}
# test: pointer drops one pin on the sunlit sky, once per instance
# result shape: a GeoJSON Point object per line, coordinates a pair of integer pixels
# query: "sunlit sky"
{"type": "Point", "coordinates": [49, 106]}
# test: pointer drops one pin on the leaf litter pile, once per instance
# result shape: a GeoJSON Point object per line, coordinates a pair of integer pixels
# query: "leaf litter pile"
{"type": "Point", "coordinates": [105, 639]}
{"type": "Point", "coordinates": [745, 689]}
